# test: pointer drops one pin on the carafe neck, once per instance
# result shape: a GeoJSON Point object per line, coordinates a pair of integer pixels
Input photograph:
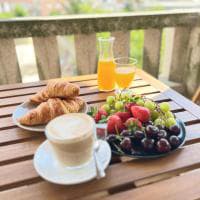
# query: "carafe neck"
{"type": "Point", "coordinates": [106, 48]}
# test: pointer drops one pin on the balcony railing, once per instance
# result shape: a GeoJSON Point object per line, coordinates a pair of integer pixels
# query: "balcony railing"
{"type": "Point", "coordinates": [184, 60]}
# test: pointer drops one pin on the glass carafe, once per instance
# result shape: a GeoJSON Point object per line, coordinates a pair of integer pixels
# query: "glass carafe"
{"type": "Point", "coordinates": [106, 66]}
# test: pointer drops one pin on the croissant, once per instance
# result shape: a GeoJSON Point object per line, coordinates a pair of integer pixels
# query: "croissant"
{"type": "Point", "coordinates": [50, 109]}
{"type": "Point", "coordinates": [56, 88]}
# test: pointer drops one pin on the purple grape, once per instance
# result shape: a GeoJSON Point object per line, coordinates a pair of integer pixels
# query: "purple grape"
{"type": "Point", "coordinates": [174, 141]}
{"type": "Point", "coordinates": [139, 135]}
{"type": "Point", "coordinates": [161, 134]}
{"type": "Point", "coordinates": [126, 144]}
{"type": "Point", "coordinates": [174, 130]}
{"type": "Point", "coordinates": [125, 133]}
{"type": "Point", "coordinates": [111, 138]}
{"type": "Point", "coordinates": [163, 146]}
{"type": "Point", "coordinates": [148, 123]}
{"type": "Point", "coordinates": [148, 144]}
{"type": "Point", "coordinates": [160, 127]}
{"type": "Point", "coordinates": [151, 131]}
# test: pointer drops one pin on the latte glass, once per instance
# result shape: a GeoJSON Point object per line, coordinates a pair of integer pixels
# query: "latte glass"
{"type": "Point", "coordinates": [72, 138]}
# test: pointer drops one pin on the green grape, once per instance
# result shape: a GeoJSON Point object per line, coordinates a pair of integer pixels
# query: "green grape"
{"type": "Point", "coordinates": [125, 95]}
{"type": "Point", "coordinates": [112, 111]}
{"type": "Point", "coordinates": [150, 105]}
{"type": "Point", "coordinates": [170, 122]}
{"type": "Point", "coordinates": [106, 107]}
{"type": "Point", "coordinates": [138, 96]}
{"type": "Point", "coordinates": [140, 102]}
{"type": "Point", "coordinates": [169, 114]}
{"type": "Point", "coordinates": [165, 107]}
{"type": "Point", "coordinates": [110, 100]}
{"type": "Point", "coordinates": [154, 115]}
{"type": "Point", "coordinates": [119, 105]}
{"type": "Point", "coordinates": [159, 121]}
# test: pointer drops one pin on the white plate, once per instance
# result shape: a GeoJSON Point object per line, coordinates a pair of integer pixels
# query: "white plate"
{"type": "Point", "coordinates": [51, 170]}
{"type": "Point", "coordinates": [25, 107]}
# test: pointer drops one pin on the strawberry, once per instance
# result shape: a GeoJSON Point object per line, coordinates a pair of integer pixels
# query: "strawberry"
{"type": "Point", "coordinates": [97, 117]}
{"type": "Point", "coordinates": [102, 112]}
{"type": "Point", "coordinates": [114, 124]}
{"type": "Point", "coordinates": [141, 113]}
{"type": "Point", "coordinates": [123, 115]}
{"type": "Point", "coordinates": [133, 122]}
{"type": "Point", "coordinates": [129, 105]}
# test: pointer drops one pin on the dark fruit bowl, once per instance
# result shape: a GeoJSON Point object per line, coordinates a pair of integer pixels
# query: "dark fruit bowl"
{"type": "Point", "coordinates": [141, 153]}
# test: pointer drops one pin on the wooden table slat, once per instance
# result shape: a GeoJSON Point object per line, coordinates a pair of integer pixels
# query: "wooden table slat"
{"type": "Point", "coordinates": [39, 83]}
{"type": "Point", "coordinates": [182, 101]}
{"type": "Point", "coordinates": [6, 111]}
{"type": "Point", "coordinates": [14, 135]}
{"type": "Point", "coordinates": [181, 187]}
{"type": "Point", "coordinates": [186, 116]}
{"type": "Point", "coordinates": [193, 133]}
{"type": "Point", "coordinates": [13, 152]}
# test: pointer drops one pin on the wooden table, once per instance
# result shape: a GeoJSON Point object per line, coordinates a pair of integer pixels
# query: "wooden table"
{"type": "Point", "coordinates": [174, 177]}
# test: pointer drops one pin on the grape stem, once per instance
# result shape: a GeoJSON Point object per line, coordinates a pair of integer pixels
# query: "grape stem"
{"type": "Point", "coordinates": [118, 149]}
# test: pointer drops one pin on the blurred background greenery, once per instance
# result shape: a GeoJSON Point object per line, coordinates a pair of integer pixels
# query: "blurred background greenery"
{"type": "Point", "coordinates": [17, 11]}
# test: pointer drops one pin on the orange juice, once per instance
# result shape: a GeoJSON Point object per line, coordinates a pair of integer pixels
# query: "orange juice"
{"type": "Point", "coordinates": [124, 76]}
{"type": "Point", "coordinates": [106, 75]}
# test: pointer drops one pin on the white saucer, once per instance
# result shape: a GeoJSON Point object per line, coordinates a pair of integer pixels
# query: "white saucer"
{"type": "Point", "coordinates": [50, 169]}
{"type": "Point", "coordinates": [25, 107]}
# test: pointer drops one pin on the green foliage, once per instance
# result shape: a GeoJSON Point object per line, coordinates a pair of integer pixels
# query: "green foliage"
{"type": "Point", "coordinates": [18, 11]}
{"type": "Point", "coordinates": [55, 13]}
{"type": "Point", "coordinates": [136, 46]}
{"type": "Point", "coordinates": [156, 8]}
{"type": "Point", "coordinates": [103, 34]}
{"type": "Point", "coordinates": [5, 15]}
{"type": "Point", "coordinates": [83, 7]}
{"type": "Point", "coordinates": [128, 6]}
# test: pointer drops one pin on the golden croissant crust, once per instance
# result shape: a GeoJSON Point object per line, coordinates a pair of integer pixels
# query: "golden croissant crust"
{"type": "Point", "coordinates": [50, 109]}
{"type": "Point", "coordinates": [56, 88]}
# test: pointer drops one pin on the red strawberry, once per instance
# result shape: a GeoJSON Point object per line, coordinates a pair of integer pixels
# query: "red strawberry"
{"type": "Point", "coordinates": [114, 124]}
{"type": "Point", "coordinates": [133, 122]}
{"type": "Point", "coordinates": [97, 117]}
{"type": "Point", "coordinates": [123, 115]}
{"type": "Point", "coordinates": [129, 105]}
{"type": "Point", "coordinates": [102, 112]}
{"type": "Point", "coordinates": [141, 113]}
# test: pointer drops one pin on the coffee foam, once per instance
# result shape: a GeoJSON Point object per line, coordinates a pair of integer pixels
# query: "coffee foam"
{"type": "Point", "coordinates": [74, 126]}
